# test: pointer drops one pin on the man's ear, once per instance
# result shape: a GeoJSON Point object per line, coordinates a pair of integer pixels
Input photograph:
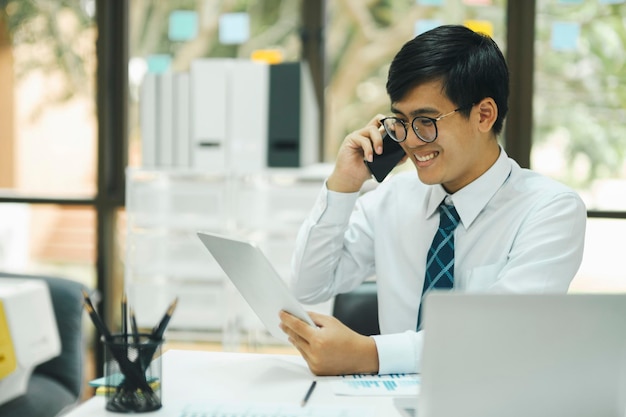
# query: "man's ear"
{"type": "Point", "coordinates": [487, 113]}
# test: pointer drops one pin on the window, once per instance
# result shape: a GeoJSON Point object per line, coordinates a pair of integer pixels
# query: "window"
{"type": "Point", "coordinates": [580, 98]}
{"type": "Point", "coordinates": [579, 122]}
{"type": "Point", "coordinates": [48, 137]}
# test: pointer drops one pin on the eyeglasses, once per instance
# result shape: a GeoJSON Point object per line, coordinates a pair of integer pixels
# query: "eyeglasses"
{"type": "Point", "coordinates": [424, 127]}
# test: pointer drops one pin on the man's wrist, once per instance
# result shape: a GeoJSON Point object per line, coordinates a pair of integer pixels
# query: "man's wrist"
{"type": "Point", "coordinates": [343, 183]}
{"type": "Point", "coordinates": [366, 361]}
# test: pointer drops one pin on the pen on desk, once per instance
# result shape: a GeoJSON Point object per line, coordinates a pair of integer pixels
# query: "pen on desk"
{"type": "Point", "coordinates": [157, 332]}
{"type": "Point", "coordinates": [308, 393]}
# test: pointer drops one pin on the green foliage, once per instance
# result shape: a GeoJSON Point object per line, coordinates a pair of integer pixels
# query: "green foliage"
{"type": "Point", "coordinates": [47, 37]}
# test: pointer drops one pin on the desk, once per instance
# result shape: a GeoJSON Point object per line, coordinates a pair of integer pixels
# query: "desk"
{"type": "Point", "coordinates": [195, 376]}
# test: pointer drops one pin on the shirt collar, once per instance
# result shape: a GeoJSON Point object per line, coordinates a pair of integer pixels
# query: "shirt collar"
{"type": "Point", "coordinates": [472, 199]}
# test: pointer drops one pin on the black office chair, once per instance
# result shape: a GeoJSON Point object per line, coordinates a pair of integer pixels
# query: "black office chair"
{"type": "Point", "coordinates": [55, 386]}
{"type": "Point", "coordinates": [358, 309]}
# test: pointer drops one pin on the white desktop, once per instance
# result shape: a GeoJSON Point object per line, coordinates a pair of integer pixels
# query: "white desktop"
{"type": "Point", "coordinates": [204, 382]}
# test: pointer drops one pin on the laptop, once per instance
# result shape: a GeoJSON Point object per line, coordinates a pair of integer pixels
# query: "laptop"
{"type": "Point", "coordinates": [256, 280]}
{"type": "Point", "coordinates": [521, 355]}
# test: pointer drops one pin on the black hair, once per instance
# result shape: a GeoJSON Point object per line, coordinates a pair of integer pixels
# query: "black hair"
{"type": "Point", "coordinates": [470, 66]}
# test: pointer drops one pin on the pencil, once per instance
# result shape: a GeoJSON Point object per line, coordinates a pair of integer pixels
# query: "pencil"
{"type": "Point", "coordinates": [157, 332]}
{"type": "Point", "coordinates": [308, 393]}
{"type": "Point", "coordinates": [133, 326]}
{"type": "Point", "coordinates": [97, 321]}
{"type": "Point", "coordinates": [86, 298]}
{"type": "Point", "coordinates": [95, 318]}
{"type": "Point", "coordinates": [133, 373]}
{"type": "Point", "coordinates": [124, 318]}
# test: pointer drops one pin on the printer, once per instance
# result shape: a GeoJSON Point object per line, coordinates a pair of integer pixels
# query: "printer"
{"type": "Point", "coordinates": [28, 333]}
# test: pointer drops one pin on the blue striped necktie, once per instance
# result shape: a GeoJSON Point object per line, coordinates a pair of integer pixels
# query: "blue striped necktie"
{"type": "Point", "coordinates": [440, 259]}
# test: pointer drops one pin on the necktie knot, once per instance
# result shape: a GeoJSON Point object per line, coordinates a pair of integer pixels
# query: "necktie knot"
{"type": "Point", "coordinates": [448, 217]}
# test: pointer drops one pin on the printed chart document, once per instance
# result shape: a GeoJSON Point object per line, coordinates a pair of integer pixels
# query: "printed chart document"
{"type": "Point", "coordinates": [389, 385]}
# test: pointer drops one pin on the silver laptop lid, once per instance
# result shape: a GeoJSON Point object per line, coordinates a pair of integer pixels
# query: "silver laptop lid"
{"type": "Point", "coordinates": [520, 355]}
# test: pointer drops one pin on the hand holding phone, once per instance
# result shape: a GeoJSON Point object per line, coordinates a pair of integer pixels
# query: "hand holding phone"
{"type": "Point", "coordinates": [382, 164]}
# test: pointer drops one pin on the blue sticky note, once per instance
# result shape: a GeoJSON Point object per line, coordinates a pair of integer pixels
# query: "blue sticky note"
{"type": "Point", "coordinates": [565, 36]}
{"type": "Point", "coordinates": [113, 380]}
{"type": "Point", "coordinates": [159, 63]}
{"type": "Point", "coordinates": [234, 28]}
{"type": "Point", "coordinates": [611, 1]}
{"type": "Point", "coordinates": [424, 25]}
{"type": "Point", "coordinates": [429, 2]}
{"type": "Point", "coordinates": [183, 25]}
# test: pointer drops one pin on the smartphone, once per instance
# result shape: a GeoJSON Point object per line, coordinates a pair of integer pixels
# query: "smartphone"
{"type": "Point", "coordinates": [382, 164]}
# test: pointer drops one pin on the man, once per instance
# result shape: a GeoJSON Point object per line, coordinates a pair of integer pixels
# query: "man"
{"type": "Point", "coordinates": [517, 230]}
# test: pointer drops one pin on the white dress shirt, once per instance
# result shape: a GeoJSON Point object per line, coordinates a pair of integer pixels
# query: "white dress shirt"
{"type": "Point", "coordinates": [519, 232]}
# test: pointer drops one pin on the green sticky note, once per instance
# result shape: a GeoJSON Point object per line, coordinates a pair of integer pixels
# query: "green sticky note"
{"type": "Point", "coordinates": [159, 63]}
{"type": "Point", "coordinates": [183, 25]}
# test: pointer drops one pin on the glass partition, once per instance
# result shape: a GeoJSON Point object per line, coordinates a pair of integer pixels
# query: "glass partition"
{"type": "Point", "coordinates": [580, 98]}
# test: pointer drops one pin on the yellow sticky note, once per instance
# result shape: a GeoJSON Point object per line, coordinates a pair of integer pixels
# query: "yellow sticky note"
{"type": "Point", "coordinates": [480, 26]}
{"type": "Point", "coordinates": [271, 56]}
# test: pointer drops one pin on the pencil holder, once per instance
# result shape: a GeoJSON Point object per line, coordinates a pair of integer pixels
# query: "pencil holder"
{"type": "Point", "coordinates": [132, 371]}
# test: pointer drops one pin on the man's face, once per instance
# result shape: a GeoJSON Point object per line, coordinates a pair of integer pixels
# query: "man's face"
{"type": "Point", "coordinates": [459, 155]}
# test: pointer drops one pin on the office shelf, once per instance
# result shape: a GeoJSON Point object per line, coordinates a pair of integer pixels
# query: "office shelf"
{"type": "Point", "coordinates": [165, 259]}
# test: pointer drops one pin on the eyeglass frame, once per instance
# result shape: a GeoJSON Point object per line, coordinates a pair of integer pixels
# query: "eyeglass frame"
{"type": "Point", "coordinates": [434, 120]}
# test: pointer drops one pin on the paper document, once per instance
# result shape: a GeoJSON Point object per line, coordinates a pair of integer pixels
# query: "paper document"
{"type": "Point", "coordinates": [391, 385]}
{"type": "Point", "coordinates": [257, 409]}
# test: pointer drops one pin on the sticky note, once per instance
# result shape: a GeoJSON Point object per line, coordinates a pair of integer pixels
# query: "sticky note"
{"type": "Point", "coordinates": [183, 25]}
{"type": "Point", "coordinates": [480, 26]}
{"type": "Point", "coordinates": [429, 2]}
{"type": "Point", "coordinates": [570, 1]}
{"type": "Point", "coordinates": [159, 63]}
{"type": "Point", "coordinates": [424, 25]}
{"type": "Point", "coordinates": [270, 56]}
{"type": "Point", "coordinates": [477, 2]}
{"type": "Point", "coordinates": [565, 36]}
{"type": "Point", "coordinates": [611, 1]}
{"type": "Point", "coordinates": [234, 28]}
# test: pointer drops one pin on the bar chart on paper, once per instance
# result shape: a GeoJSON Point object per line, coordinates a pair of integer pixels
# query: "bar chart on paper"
{"type": "Point", "coordinates": [391, 385]}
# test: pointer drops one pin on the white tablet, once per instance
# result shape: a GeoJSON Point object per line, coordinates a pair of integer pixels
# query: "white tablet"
{"type": "Point", "coordinates": [256, 279]}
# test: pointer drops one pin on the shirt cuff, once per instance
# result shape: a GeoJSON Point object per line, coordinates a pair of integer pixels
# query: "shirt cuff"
{"type": "Point", "coordinates": [333, 207]}
{"type": "Point", "coordinates": [399, 352]}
